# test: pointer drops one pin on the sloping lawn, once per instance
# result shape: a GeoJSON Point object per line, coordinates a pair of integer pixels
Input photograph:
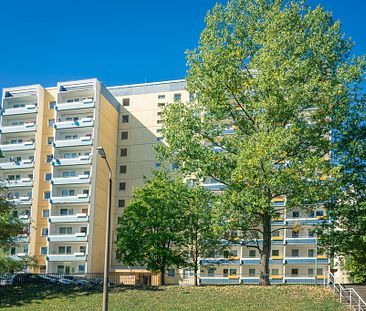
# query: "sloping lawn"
{"type": "Point", "coordinates": [54, 298]}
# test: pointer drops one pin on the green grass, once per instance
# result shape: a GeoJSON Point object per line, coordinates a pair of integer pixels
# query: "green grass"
{"type": "Point", "coordinates": [54, 298]}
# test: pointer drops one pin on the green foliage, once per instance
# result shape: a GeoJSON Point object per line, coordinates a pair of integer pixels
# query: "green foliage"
{"type": "Point", "coordinates": [280, 76]}
{"type": "Point", "coordinates": [356, 266]}
{"type": "Point", "coordinates": [167, 224]}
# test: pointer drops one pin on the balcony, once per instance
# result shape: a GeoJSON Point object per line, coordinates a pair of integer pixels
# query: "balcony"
{"type": "Point", "coordinates": [82, 160]}
{"type": "Point", "coordinates": [32, 108]}
{"type": "Point", "coordinates": [301, 240]}
{"type": "Point", "coordinates": [85, 122]}
{"type": "Point", "coordinates": [67, 257]}
{"type": "Point", "coordinates": [304, 221]}
{"type": "Point", "coordinates": [76, 237]}
{"type": "Point", "coordinates": [89, 103]}
{"type": "Point", "coordinates": [81, 179]}
{"type": "Point", "coordinates": [28, 145]}
{"type": "Point", "coordinates": [23, 182]}
{"type": "Point", "coordinates": [77, 218]}
{"type": "Point", "coordinates": [214, 186]}
{"type": "Point", "coordinates": [82, 141]}
{"type": "Point", "coordinates": [22, 201]}
{"type": "Point", "coordinates": [250, 261]}
{"type": "Point", "coordinates": [26, 127]}
{"type": "Point", "coordinates": [219, 261]}
{"type": "Point", "coordinates": [25, 219]}
{"type": "Point", "coordinates": [80, 198]}
{"type": "Point", "coordinates": [18, 256]}
{"type": "Point", "coordinates": [300, 260]}
{"type": "Point", "coordinates": [17, 164]}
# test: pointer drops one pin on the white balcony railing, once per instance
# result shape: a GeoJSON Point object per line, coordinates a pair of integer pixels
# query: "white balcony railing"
{"type": "Point", "coordinates": [67, 257]}
{"type": "Point", "coordinates": [26, 127]}
{"type": "Point", "coordinates": [80, 198]}
{"type": "Point", "coordinates": [84, 122]}
{"type": "Point", "coordinates": [22, 201]}
{"type": "Point", "coordinates": [77, 218]}
{"type": "Point", "coordinates": [76, 237]}
{"type": "Point", "coordinates": [23, 182]}
{"type": "Point", "coordinates": [28, 145]}
{"type": "Point", "coordinates": [31, 108]}
{"type": "Point", "coordinates": [82, 141]}
{"type": "Point", "coordinates": [80, 179]}
{"type": "Point", "coordinates": [72, 161]}
{"type": "Point", "coordinates": [88, 103]}
{"type": "Point", "coordinates": [17, 164]}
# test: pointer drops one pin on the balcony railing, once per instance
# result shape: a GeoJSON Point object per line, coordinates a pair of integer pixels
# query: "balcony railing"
{"type": "Point", "coordinates": [214, 186]}
{"type": "Point", "coordinates": [24, 182]}
{"type": "Point", "coordinates": [77, 218]}
{"type": "Point", "coordinates": [81, 179]}
{"type": "Point", "coordinates": [218, 261]}
{"type": "Point", "coordinates": [32, 108]}
{"type": "Point", "coordinates": [67, 257]}
{"type": "Point", "coordinates": [17, 164]}
{"type": "Point", "coordinates": [28, 145]}
{"type": "Point", "coordinates": [80, 198]}
{"type": "Point", "coordinates": [85, 122]}
{"type": "Point", "coordinates": [82, 141]}
{"type": "Point", "coordinates": [309, 240]}
{"type": "Point", "coordinates": [22, 201]}
{"type": "Point", "coordinates": [72, 161]}
{"type": "Point", "coordinates": [26, 127]}
{"type": "Point", "coordinates": [76, 237]}
{"type": "Point", "coordinates": [89, 103]}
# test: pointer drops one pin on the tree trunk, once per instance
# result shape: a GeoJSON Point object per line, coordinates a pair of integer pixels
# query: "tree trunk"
{"type": "Point", "coordinates": [266, 251]}
{"type": "Point", "coordinates": [162, 273]}
{"type": "Point", "coordinates": [195, 275]}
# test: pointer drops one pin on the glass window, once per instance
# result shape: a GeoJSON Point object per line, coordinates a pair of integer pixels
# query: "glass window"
{"type": "Point", "coordinates": [51, 122]}
{"type": "Point", "coordinates": [295, 214]}
{"type": "Point", "coordinates": [294, 253]}
{"type": "Point", "coordinates": [276, 233]}
{"type": "Point", "coordinates": [122, 186]}
{"type": "Point", "coordinates": [311, 253]}
{"type": "Point", "coordinates": [310, 271]}
{"type": "Point", "coordinates": [157, 165]}
{"type": "Point", "coordinates": [45, 213]}
{"type": "Point", "coordinates": [275, 252]}
{"type": "Point", "coordinates": [43, 250]}
{"type": "Point", "coordinates": [225, 272]}
{"type": "Point", "coordinates": [177, 97]}
{"type": "Point", "coordinates": [319, 271]}
{"type": "Point", "coordinates": [42, 269]}
{"type": "Point", "coordinates": [161, 105]}
{"type": "Point", "coordinates": [47, 176]}
{"type": "Point", "coordinates": [123, 169]}
{"type": "Point", "coordinates": [161, 96]}
{"type": "Point", "coordinates": [125, 102]}
{"type": "Point", "coordinates": [124, 135]}
{"type": "Point", "coordinates": [46, 195]}
{"type": "Point", "coordinates": [295, 234]}
{"type": "Point", "coordinates": [211, 271]}
{"type": "Point", "coordinates": [252, 253]}
{"type": "Point", "coordinates": [121, 203]}
{"type": "Point", "coordinates": [50, 140]}
{"type": "Point", "coordinates": [319, 213]}
{"type": "Point", "coordinates": [81, 268]}
{"type": "Point", "coordinates": [44, 231]}
{"type": "Point", "coordinates": [51, 104]}
{"type": "Point", "coordinates": [171, 272]}
{"type": "Point", "coordinates": [294, 272]}
{"type": "Point", "coordinates": [124, 152]}
{"type": "Point", "coordinates": [49, 158]}
{"type": "Point", "coordinates": [251, 272]}
{"type": "Point", "coordinates": [275, 271]}
{"type": "Point", "coordinates": [125, 118]}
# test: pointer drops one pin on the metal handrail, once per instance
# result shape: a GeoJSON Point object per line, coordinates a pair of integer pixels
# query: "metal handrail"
{"type": "Point", "coordinates": [347, 295]}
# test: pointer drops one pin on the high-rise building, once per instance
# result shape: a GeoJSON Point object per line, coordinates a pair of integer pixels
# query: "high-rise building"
{"type": "Point", "coordinates": [49, 139]}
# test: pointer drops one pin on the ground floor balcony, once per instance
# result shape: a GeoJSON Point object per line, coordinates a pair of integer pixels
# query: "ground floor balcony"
{"type": "Point", "coordinates": [28, 145]}
{"type": "Point", "coordinates": [77, 218]}
{"type": "Point", "coordinates": [72, 199]}
{"type": "Point", "coordinates": [17, 164]}
{"type": "Point", "coordinates": [66, 257]}
{"type": "Point", "coordinates": [80, 179]}
{"type": "Point", "coordinates": [76, 237]}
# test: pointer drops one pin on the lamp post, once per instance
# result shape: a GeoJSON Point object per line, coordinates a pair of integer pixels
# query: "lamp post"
{"type": "Point", "coordinates": [103, 155]}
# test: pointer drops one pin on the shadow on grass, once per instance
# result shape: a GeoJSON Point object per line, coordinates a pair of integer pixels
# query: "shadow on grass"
{"type": "Point", "coordinates": [19, 295]}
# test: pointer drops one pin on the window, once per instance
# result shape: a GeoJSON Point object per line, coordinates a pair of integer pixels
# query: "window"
{"type": "Point", "coordinates": [64, 249]}
{"type": "Point", "coordinates": [51, 122]}
{"type": "Point", "coordinates": [225, 272]}
{"type": "Point", "coordinates": [124, 135]}
{"type": "Point", "coordinates": [177, 97]}
{"type": "Point", "coordinates": [157, 165]}
{"type": "Point", "coordinates": [294, 253]}
{"type": "Point", "coordinates": [211, 271]}
{"type": "Point", "coordinates": [42, 269]}
{"type": "Point", "coordinates": [275, 252]}
{"type": "Point", "coordinates": [160, 121]}
{"type": "Point", "coordinates": [82, 249]}
{"type": "Point", "coordinates": [13, 251]}
{"type": "Point", "coordinates": [123, 152]}
{"type": "Point", "coordinates": [45, 213]}
{"type": "Point", "coordinates": [50, 140]}
{"type": "Point", "coordinates": [174, 166]}
{"type": "Point", "coordinates": [310, 271]}
{"type": "Point", "coordinates": [51, 104]}
{"type": "Point", "coordinates": [126, 102]}
{"type": "Point", "coordinates": [319, 213]}
{"type": "Point", "coordinates": [159, 114]}
{"type": "Point", "coordinates": [232, 272]}
{"type": "Point", "coordinates": [251, 272]}
{"type": "Point", "coordinates": [47, 176]}
{"type": "Point", "coordinates": [81, 268]}
{"type": "Point", "coordinates": [295, 214]}
{"type": "Point", "coordinates": [311, 233]}
{"type": "Point", "coordinates": [46, 195]}
{"type": "Point", "coordinates": [159, 139]}
{"type": "Point", "coordinates": [43, 250]}
{"type": "Point", "coordinates": [44, 231]}
{"type": "Point", "coordinates": [185, 273]}
{"type": "Point", "coordinates": [252, 253]}
{"type": "Point", "coordinates": [294, 272]}
{"type": "Point", "coordinates": [121, 203]}
{"type": "Point", "coordinates": [311, 214]}
{"type": "Point", "coordinates": [65, 230]}
{"type": "Point", "coordinates": [49, 158]}
{"type": "Point", "coordinates": [122, 186]}
{"type": "Point", "coordinates": [161, 96]}
{"type": "Point", "coordinates": [276, 233]}
{"type": "Point", "coordinates": [171, 272]}
{"type": "Point", "coordinates": [319, 271]}
{"type": "Point", "coordinates": [123, 169]}
{"type": "Point", "coordinates": [125, 118]}
{"type": "Point", "coordinates": [275, 271]}
{"type": "Point", "coordinates": [295, 234]}
{"type": "Point", "coordinates": [311, 253]}
{"type": "Point", "coordinates": [161, 105]}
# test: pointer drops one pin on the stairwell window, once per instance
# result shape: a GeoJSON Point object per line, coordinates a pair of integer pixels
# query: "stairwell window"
{"type": "Point", "coordinates": [121, 203]}
{"type": "Point", "coordinates": [122, 186]}
{"type": "Point", "coordinates": [125, 102]}
{"type": "Point", "coordinates": [123, 169]}
{"type": "Point", "coordinates": [123, 152]}
{"type": "Point", "coordinates": [125, 118]}
{"type": "Point", "coordinates": [44, 231]}
{"type": "Point", "coordinates": [124, 135]}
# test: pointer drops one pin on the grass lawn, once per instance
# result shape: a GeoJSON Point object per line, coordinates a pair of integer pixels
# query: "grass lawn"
{"type": "Point", "coordinates": [54, 298]}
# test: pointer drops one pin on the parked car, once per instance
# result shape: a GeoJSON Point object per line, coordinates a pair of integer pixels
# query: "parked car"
{"type": "Point", "coordinates": [6, 280]}
{"type": "Point", "coordinates": [49, 278]}
{"type": "Point", "coordinates": [75, 280]}
{"type": "Point", "coordinates": [27, 278]}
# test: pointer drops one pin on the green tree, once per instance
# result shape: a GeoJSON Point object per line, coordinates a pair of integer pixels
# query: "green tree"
{"type": "Point", "coordinates": [272, 78]}
{"type": "Point", "coordinates": [151, 228]}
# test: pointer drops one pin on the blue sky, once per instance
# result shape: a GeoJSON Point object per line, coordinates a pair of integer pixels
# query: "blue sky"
{"type": "Point", "coordinates": [117, 41]}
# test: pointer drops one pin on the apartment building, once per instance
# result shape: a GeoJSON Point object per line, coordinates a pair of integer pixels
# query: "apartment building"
{"type": "Point", "coordinates": [49, 138]}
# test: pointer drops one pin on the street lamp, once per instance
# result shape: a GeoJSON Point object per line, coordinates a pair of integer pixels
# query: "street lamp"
{"type": "Point", "coordinates": [103, 155]}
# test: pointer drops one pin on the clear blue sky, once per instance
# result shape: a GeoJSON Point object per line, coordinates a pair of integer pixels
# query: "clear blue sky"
{"type": "Point", "coordinates": [117, 41]}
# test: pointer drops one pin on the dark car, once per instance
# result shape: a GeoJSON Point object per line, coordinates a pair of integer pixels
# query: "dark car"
{"type": "Point", "coordinates": [27, 278]}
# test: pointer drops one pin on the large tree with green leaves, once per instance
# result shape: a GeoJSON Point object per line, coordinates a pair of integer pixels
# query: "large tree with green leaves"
{"type": "Point", "coordinates": [272, 79]}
